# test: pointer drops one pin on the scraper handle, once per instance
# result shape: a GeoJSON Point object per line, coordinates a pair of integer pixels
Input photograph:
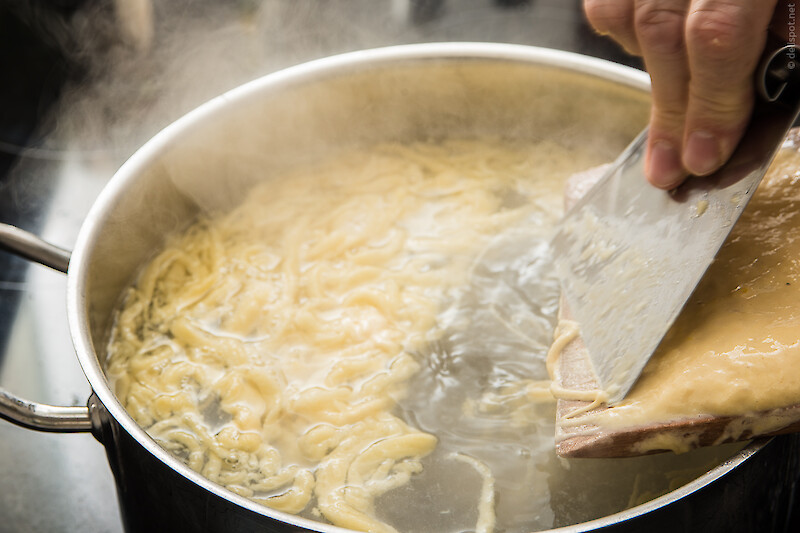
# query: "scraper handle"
{"type": "Point", "coordinates": [777, 69]}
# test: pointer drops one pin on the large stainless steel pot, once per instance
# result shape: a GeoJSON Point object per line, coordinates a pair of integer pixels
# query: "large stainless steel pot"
{"type": "Point", "coordinates": [209, 158]}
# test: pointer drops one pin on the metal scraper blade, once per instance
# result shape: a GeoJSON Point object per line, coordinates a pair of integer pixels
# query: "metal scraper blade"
{"type": "Point", "coordinates": [629, 255]}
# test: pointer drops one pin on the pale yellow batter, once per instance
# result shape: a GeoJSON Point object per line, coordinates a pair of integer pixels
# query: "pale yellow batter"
{"type": "Point", "coordinates": [735, 349]}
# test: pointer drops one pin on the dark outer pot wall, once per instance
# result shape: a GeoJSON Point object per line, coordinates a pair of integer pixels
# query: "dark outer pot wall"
{"type": "Point", "coordinates": [756, 496]}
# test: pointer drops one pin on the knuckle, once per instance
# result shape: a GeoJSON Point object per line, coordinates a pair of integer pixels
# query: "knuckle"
{"type": "Point", "coordinates": [608, 16]}
{"type": "Point", "coordinates": [669, 119]}
{"type": "Point", "coordinates": [716, 33]}
{"type": "Point", "coordinates": [660, 28]}
{"type": "Point", "coordinates": [727, 109]}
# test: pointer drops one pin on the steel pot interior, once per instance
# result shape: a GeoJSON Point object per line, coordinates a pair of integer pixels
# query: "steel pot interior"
{"type": "Point", "coordinates": [210, 158]}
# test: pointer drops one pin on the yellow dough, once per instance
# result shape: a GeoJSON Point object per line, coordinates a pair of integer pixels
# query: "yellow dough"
{"type": "Point", "coordinates": [735, 348]}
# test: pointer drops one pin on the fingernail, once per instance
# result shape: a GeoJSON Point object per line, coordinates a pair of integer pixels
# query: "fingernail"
{"type": "Point", "coordinates": [664, 169]}
{"type": "Point", "coordinates": [702, 153]}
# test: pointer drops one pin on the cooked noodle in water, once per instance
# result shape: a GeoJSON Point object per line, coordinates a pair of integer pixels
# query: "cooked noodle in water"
{"type": "Point", "coordinates": [271, 348]}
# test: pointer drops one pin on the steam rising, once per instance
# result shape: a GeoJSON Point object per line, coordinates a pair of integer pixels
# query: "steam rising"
{"type": "Point", "coordinates": [144, 63]}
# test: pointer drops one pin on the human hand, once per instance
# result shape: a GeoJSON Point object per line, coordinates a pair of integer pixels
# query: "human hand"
{"type": "Point", "coordinates": [701, 56]}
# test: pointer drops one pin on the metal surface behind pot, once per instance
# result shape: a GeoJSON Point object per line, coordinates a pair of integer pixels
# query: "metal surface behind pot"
{"type": "Point", "coordinates": [208, 160]}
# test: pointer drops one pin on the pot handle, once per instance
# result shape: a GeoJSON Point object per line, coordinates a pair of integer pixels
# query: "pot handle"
{"type": "Point", "coordinates": [33, 415]}
{"type": "Point", "coordinates": [29, 246]}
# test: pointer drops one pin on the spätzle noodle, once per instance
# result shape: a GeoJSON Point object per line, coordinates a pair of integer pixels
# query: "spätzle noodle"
{"type": "Point", "coordinates": [267, 347]}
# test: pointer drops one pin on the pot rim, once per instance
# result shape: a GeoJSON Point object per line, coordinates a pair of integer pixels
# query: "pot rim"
{"type": "Point", "coordinates": [315, 70]}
